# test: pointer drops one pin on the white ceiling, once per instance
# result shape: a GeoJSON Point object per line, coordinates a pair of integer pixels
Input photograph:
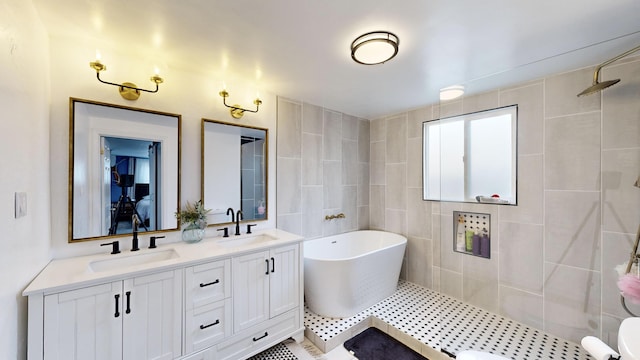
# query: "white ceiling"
{"type": "Point", "coordinates": [300, 48]}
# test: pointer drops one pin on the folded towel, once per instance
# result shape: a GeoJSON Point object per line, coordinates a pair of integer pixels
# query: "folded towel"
{"type": "Point", "coordinates": [490, 200]}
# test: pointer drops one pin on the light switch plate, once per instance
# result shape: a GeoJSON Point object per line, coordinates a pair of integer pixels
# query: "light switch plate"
{"type": "Point", "coordinates": [21, 204]}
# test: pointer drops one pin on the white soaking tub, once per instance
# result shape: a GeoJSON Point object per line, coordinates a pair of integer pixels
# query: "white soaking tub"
{"type": "Point", "coordinates": [346, 273]}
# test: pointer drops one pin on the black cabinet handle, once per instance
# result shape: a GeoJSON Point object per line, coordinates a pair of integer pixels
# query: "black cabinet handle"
{"type": "Point", "coordinates": [211, 283]}
{"type": "Point", "coordinates": [117, 314]}
{"type": "Point", "coordinates": [273, 265]}
{"type": "Point", "coordinates": [267, 261]}
{"type": "Point", "coordinates": [202, 327]}
{"type": "Point", "coordinates": [128, 293]}
{"type": "Point", "coordinates": [261, 337]}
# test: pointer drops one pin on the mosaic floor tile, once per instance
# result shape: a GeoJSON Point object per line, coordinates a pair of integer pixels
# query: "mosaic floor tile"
{"type": "Point", "coordinates": [445, 323]}
{"type": "Point", "coordinates": [278, 352]}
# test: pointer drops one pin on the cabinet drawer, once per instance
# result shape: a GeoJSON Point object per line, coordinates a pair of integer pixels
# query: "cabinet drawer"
{"type": "Point", "coordinates": [260, 337]}
{"type": "Point", "coordinates": [207, 283]}
{"type": "Point", "coordinates": [207, 325]}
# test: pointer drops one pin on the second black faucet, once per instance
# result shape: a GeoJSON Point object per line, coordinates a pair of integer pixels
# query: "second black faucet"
{"type": "Point", "coordinates": [238, 218]}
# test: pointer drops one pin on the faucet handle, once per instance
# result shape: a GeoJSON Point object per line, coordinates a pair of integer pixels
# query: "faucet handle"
{"type": "Point", "coordinates": [249, 226]}
{"type": "Point", "coordinates": [152, 241]}
{"type": "Point", "coordinates": [226, 231]}
{"type": "Point", "coordinates": [115, 246]}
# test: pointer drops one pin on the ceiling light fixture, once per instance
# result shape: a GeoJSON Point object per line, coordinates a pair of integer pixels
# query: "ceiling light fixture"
{"type": "Point", "coordinates": [236, 110]}
{"type": "Point", "coordinates": [451, 92]}
{"type": "Point", "coordinates": [376, 47]}
{"type": "Point", "coordinates": [127, 90]}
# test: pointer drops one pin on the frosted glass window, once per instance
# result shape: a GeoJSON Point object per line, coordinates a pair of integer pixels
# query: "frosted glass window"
{"type": "Point", "coordinates": [472, 157]}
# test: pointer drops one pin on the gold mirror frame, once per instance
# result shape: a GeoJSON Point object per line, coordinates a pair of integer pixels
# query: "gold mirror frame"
{"type": "Point", "coordinates": [203, 168]}
{"type": "Point", "coordinates": [72, 145]}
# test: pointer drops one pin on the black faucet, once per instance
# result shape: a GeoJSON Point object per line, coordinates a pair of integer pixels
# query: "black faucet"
{"type": "Point", "coordinates": [226, 231]}
{"type": "Point", "coordinates": [238, 218]}
{"type": "Point", "coordinates": [115, 246]}
{"type": "Point", "coordinates": [152, 241]}
{"type": "Point", "coordinates": [230, 212]}
{"type": "Point", "coordinates": [134, 241]}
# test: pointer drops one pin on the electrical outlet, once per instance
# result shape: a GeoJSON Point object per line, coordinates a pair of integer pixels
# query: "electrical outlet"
{"type": "Point", "coordinates": [21, 204]}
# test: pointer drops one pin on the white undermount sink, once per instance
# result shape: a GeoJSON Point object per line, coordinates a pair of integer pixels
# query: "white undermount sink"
{"type": "Point", "coordinates": [247, 240]}
{"type": "Point", "coordinates": [123, 261]}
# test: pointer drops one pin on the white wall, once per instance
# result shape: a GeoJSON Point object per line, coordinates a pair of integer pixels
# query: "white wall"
{"type": "Point", "coordinates": [193, 95]}
{"type": "Point", "coordinates": [24, 145]}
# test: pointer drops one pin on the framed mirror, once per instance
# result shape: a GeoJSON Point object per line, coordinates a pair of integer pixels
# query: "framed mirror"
{"type": "Point", "coordinates": [123, 162]}
{"type": "Point", "coordinates": [472, 157]}
{"type": "Point", "coordinates": [234, 170]}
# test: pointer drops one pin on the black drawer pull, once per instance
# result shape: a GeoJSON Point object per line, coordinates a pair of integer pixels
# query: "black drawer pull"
{"type": "Point", "coordinates": [128, 293]}
{"type": "Point", "coordinates": [117, 314]}
{"type": "Point", "coordinates": [202, 327]}
{"type": "Point", "coordinates": [273, 265]}
{"type": "Point", "coordinates": [261, 337]}
{"type": "Point", "coordinates": [267, 261]}
{"type": "Point", "coordinates": [211, 283]}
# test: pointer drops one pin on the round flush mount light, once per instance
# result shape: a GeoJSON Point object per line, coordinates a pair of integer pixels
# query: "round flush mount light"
{"type": "Point", "coordinates": [451, 92]}
{"type": "Point", "coordinates": [376, 47]}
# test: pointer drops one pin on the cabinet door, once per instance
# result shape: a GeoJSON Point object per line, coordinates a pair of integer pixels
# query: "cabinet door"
{"type": "Point", "coordinates": [284, 291]}
{"type": "Point", "coordinates": [250, 290]}
{"type": "Point", "coordinates": [152, 316]}
{"type": "Point", "coordinates": [84, 324]}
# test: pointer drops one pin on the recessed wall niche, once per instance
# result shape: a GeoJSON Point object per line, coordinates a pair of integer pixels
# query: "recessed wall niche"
{"type": "Point", "coordinates": [472, 233]}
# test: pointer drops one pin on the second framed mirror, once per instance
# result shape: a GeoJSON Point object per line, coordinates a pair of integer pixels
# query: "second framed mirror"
{"type": "Point", "coordinates": [234, 171]}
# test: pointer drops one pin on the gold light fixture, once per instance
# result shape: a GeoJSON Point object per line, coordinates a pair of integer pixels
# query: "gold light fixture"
{"type": "Point", "coordinates": [376, 47]}
{"type": "Point", "coordinates": [235, 110]}
{"type": "Point", "coordinates": [127, 90]}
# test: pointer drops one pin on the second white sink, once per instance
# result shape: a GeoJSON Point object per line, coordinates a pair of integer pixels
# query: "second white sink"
{"type": "Point", "coordinates": [123, 261]}
{"type": "Point", "coordinates": [249, 240]}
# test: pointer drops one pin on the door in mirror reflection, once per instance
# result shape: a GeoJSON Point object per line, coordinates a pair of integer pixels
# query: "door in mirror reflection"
{"type": "Point", "coordinates": [471, 157]}
{"type": "Point", "coordinates": [132, 184]}
{"type": "Point", "coordinates": [234, 168]}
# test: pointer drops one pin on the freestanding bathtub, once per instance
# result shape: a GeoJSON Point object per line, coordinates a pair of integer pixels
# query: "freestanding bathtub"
{"type": "Point", "coordinates": [346, 273]}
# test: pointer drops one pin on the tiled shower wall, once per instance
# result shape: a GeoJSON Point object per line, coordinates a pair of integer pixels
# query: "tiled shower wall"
{"type": "Point", "coordinates": [323, 169]}
{"type": "Point", "coordinates": [553, 255]}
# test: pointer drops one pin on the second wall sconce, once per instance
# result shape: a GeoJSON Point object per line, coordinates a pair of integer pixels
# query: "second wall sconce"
{"type": "Point", "coordinates": [236, 110]}
{"type": "Point", "coordinates": [127, 90]}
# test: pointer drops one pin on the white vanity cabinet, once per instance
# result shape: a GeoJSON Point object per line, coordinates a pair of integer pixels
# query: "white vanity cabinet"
{"type": "Point", "coordinates": [266, 284]}
{"type": "Point", "coordinates": [208, 301]}
{"type": "Point", "coordinates": [137, 318]}
{"type": "Point", "coordinates": [207, 304]}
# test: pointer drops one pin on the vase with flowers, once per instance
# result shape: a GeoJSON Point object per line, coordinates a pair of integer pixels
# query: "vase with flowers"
{"type": "Point", "coordinates": [194, 219]}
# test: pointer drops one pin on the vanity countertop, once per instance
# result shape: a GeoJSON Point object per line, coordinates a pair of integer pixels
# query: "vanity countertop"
{"type": "Point", "coordinates": [65, 274]}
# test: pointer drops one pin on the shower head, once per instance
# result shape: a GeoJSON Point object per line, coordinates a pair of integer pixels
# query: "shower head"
{"type": "Point", "coordinates": [597, 85]}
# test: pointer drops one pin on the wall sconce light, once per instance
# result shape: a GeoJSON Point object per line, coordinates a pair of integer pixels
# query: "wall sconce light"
{"type": "Point", "coordinates": [236, 111]}
{"type": "Point", "coordinates": [127, 90]}
{"type": "Point", "coordinates": [376, 47]}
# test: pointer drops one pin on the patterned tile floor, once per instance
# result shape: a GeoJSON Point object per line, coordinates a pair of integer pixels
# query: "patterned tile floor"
{"type": "Point", "coordinates": [436, 321]}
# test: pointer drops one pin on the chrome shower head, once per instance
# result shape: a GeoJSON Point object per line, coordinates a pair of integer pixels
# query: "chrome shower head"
{"type": "Point", "coordinates": [598, 86]}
